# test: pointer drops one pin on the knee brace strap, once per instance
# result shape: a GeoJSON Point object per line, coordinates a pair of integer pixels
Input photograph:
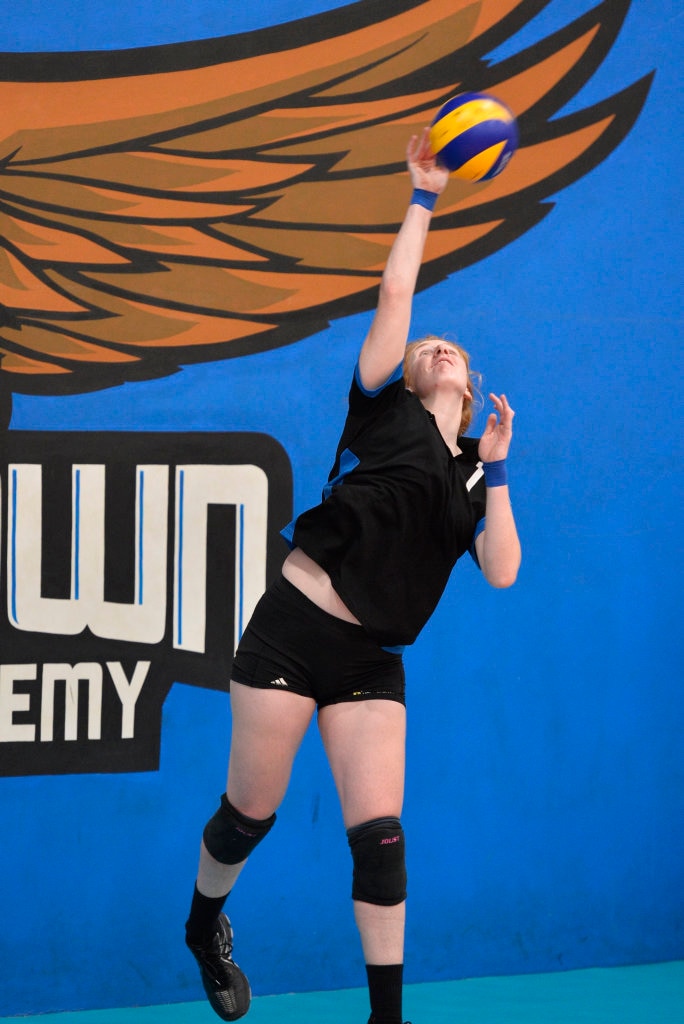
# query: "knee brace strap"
{"type": "Point", "coordinates": [378, 852]}
{"type": "Point", "coordinates": [231, 836]}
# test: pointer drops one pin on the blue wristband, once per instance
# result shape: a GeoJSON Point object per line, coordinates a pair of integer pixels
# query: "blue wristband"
{"type": "Point", "coordinates": [495, 473]}
{"type": "Point", "coordinates": [421, 197]}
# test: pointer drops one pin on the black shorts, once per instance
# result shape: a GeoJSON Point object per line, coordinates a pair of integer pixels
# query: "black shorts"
{"type": "Point", "coordinates": [292, 644]}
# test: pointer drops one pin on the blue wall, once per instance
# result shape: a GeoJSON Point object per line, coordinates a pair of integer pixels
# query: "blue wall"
{"type": "Point", "coordinates": [544, 807]}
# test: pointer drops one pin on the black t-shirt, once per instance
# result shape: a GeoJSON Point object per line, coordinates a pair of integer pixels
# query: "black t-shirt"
{"type": "Point", "coordinates": [397, 512]}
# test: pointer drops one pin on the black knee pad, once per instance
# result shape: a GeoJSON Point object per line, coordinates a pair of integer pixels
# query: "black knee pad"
{"type": "Point", "coordinates": [231, 836]}
{"type": "Point", "coordinates": [379, 855]}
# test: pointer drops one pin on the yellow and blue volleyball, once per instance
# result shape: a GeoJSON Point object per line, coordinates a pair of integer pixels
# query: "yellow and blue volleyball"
{"type": "Point", "coordinates": [474, 135]}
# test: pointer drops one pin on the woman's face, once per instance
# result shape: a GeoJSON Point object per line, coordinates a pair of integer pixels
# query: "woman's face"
{"type": "Point", "coordinates": [437, 365]}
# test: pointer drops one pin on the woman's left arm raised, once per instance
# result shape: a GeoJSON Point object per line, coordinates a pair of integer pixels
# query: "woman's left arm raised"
{"type": "Point", "coordinates": [498, 546]}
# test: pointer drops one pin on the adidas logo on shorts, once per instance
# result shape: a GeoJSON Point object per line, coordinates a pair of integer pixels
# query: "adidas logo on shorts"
{"type": "Point", "coordinates": [278, 682]}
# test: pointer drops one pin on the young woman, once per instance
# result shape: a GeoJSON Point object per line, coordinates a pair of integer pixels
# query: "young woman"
{"type": "Point", "coordinates": [407, 496]}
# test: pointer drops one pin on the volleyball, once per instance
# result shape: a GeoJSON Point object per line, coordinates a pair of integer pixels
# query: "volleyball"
{"type": "Point", "coordinates": [474, 135]}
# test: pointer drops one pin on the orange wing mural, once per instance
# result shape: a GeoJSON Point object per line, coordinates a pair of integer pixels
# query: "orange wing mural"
{"type": "Point", "coordinates": [192, 202]}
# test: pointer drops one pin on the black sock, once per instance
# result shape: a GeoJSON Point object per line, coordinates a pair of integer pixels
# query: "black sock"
{"type": "Point", "coordinates": [385, 991]}
{"type": "Point", "coordinates": [204, 912]}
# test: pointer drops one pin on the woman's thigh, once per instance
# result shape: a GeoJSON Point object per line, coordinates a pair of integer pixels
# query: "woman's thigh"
{"type": "Point", "coordinates": [267, 730]}
{"type": "Point", "coordinates": [365, 743]}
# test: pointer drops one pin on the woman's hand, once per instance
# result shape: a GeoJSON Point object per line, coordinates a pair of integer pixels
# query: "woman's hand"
{"type": "Point", "coordinates": [498, 546]}
{"type": "Point", "coordinates": [498, 431]}
{"type": "Point", "coordinates": [423, 167]}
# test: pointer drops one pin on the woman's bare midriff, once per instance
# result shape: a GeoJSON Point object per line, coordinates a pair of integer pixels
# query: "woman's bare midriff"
{"type": "Point", "coordinates": [306, 575]}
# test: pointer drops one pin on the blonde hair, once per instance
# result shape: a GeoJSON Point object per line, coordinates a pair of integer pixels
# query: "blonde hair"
{"type": "Point", "coordinates": [470, 404]}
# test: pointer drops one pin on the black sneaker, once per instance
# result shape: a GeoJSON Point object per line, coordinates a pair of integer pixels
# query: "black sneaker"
{"type": "Point", "coordinates": [226, 986]}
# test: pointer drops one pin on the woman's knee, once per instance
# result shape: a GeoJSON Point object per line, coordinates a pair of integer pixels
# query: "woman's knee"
{"type": "Point", "coordinates": [379, 855]}
{"type": "Point", "coordinates": [230, 836]}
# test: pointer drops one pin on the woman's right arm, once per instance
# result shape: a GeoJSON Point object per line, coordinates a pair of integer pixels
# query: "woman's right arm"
{"type": "Point", "coordinates": [383, 348]}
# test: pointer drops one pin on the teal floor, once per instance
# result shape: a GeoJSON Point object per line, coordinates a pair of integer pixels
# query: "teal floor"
{"type": "Point", "coordinates": [650, 994]}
